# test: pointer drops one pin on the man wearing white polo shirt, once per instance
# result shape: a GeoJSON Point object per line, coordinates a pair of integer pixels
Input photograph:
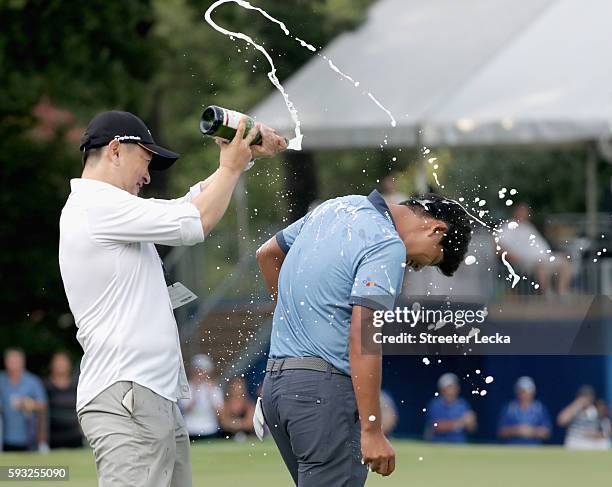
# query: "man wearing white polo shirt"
{"type": "Point", "coordinates": [132, 370]}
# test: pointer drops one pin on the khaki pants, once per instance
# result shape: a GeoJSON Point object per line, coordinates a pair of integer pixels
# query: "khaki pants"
{"type": "Point", "coordinates": [138, 438]}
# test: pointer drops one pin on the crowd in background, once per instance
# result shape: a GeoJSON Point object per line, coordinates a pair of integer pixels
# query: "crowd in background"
{"type": "Point", "coordinates": [39, 414]}
{"type": "Point", "coordinates": [450, 419]}
{"type": "Point", "coordinates": [212, 414]}
{"type": "Point", "coordinates": [523, 421]}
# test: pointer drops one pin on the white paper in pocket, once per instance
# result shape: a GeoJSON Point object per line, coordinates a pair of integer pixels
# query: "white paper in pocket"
{"type": "Point", "coordinates": [128, 401]}
{"type": "Point", "coordinates": [258, 420]}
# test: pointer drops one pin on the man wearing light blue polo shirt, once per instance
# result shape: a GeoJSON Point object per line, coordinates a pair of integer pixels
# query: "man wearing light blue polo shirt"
{"type": "Point", "coordinates": [449, 417]}
{"type": "Point", "coordinates": [331, 269]}
{"type": "Point", "coordinates": [524, 421]}
{"type": "Point", "coordinates": [22, 402]}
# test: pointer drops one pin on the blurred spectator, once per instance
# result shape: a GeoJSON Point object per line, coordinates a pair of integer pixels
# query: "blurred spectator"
{"type": "Point", "coordinates": [524, 421]}
{"type": "Point", "coordinates": [448, 415]}
{"type": "Point", "coordinates": [388, 412]}
{"type": "Point", "coordinates": [201, 412]}
{"type": "Point", "coordinates": [24, 404]}
{"type": "Point", "coordinates": [602, 408]}
{"type": "Point", "coordinates": [528, 250]}
{"type": "Point", "coordinates": [64, 428]}
{"type": "Point", "coordinates": [390, 192]}
{"type": "Point", "coordinates": [236, 417]}
{"type": "Point", "coordinates": [588, 427]}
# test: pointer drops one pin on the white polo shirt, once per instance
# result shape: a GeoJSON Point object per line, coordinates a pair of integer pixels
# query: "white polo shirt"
{"type": "Point", "coordinates": [115, 285]}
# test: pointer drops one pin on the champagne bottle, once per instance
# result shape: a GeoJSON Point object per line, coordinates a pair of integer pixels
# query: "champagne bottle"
{"type": "Point", "coordinates": [221, 122]}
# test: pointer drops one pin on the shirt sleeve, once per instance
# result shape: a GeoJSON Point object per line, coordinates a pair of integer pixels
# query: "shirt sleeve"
{"type": "Point", "coordinates": [544, 420]}
{"type": "Point", "coordinates": [504, 419]}
{"type": "Point", "coordinates": [188, 198]}
{"type": "Point", "coordinates": [379, 276]}
{"type": "Point", "coordinates": [287, 236]}
{"type": "Point", "coordinates": [131, 219]}
{"type": "Point", "coordinates": [433, 413]}
{"type": "Point", "coordinates": [38, 390]}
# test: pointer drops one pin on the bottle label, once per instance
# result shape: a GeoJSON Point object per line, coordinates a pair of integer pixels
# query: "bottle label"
{"type": "Point", "coordinates": [231, 118]}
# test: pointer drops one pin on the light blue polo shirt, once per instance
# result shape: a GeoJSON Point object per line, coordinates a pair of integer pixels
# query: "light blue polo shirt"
{"type": "Point", "coordinates": [346, 251]}
{"type": "Point", "coordinates": [536, 415]}
{"type": "Point", "coordinates": [439, 409]}
{"type": "Point", "coordinates": [19, 427]}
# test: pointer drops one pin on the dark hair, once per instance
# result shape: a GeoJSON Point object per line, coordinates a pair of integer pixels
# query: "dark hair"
{"type": "Point", "coordinates": [457, 238]}
{"type": "Point", "coordinates": [93, 152]}
{"type": "Point", "coordinates": [586, 390]}
{"type": "Point", "coordinates": [61, 351]}
{"type": "Point", "coordinates": [18, 350]}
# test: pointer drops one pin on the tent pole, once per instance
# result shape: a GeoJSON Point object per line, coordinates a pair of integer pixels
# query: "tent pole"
{"type": "Point", "coordinates": [300, 182]}
{"type": "Point", "coordinates": [591, 192]}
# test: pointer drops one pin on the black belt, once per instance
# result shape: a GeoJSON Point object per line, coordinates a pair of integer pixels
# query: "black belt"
{"type": "Point", "coordinates": [301, 363]}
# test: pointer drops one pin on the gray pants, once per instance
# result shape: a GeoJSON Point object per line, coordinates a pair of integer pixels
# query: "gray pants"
{"type": "Point", "coordinates": [140, 442]}
{"type": "Point", "coordinates": [313, 419]}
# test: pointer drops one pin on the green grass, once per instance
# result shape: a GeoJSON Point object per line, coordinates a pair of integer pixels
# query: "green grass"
{"type": "Point", "coordinates": [253, 464]}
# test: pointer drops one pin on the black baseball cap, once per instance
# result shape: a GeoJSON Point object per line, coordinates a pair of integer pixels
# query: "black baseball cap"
{"type": "Point", "coordinates": [127, 128]}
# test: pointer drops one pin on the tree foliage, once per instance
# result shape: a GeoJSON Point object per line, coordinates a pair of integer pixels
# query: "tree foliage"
{"type": "Point", "coordinates": [160, 59]}
{"type": "Point", "coordinates": [156, 58]}
{"type": "Point", "coordinates": [82, 56]}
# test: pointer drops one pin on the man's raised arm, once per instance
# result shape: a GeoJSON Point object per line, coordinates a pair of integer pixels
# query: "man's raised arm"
{"type": "Point", "coordinates": [215, 197]}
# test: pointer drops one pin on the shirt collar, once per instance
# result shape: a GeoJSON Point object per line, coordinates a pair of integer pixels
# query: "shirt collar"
{"type": "Point", "coordinates": [79, 183]}
{"type": "Point", "coordinates": [380, 204]}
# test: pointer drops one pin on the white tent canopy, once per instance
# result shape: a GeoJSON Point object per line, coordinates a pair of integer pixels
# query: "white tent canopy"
{"type": "Point", "coordinates": [552, 84]}
{"type": "Point", "coordinates": [466, 72]}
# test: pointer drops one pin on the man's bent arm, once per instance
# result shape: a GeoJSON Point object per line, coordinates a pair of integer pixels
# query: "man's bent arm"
{"type": "Point", "coordinates": [366, 372]}
{"type": "Point", "coordinates": [270, 258]}
{"type": "Point", "coordinates": [214, 199]}
{"type": "Point", "coordinates": [541, 432]}
{"type": "Point", "coordinates": [507, 432]}
{"type": "Point", "coordinates": [445, 426]}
